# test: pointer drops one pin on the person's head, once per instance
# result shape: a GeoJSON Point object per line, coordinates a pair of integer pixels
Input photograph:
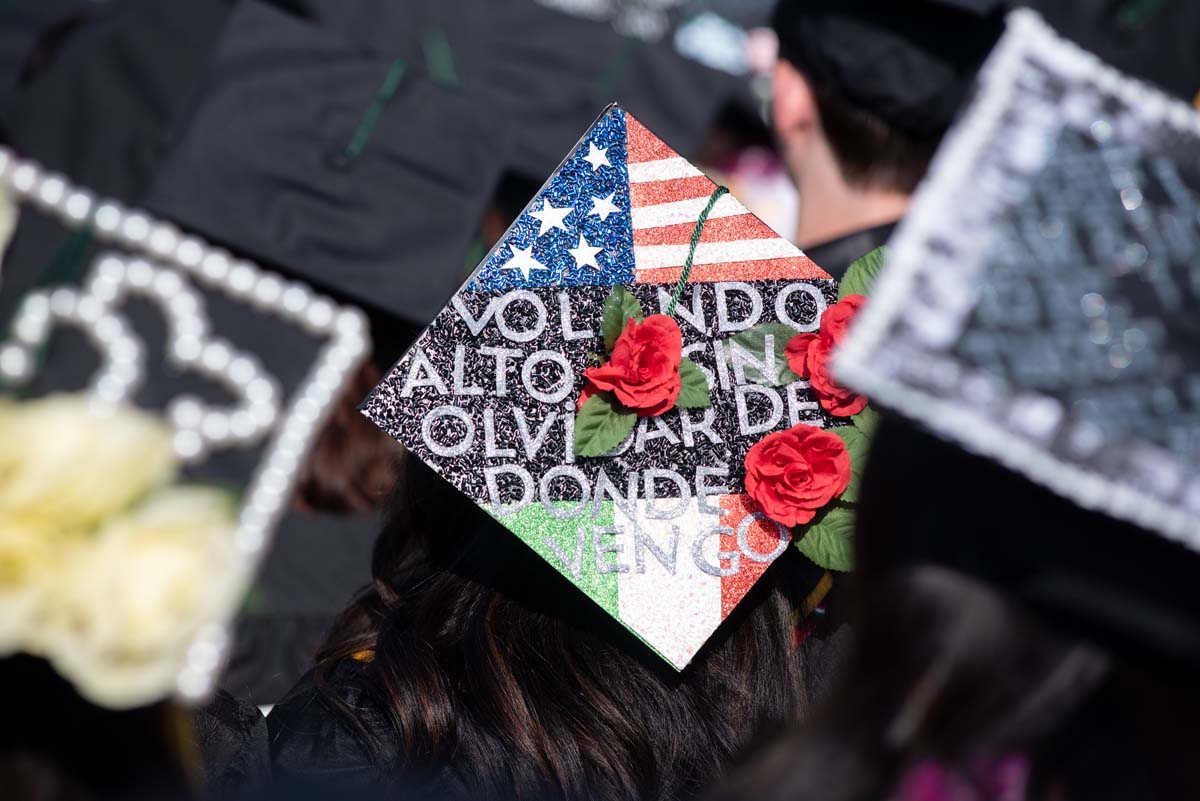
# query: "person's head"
{"type": "Point", "coordinates": [999, 625]}
{"type": "Point", "coordinates": [500, 679]}
{"type": "Point", "coordinates": [865, 89]}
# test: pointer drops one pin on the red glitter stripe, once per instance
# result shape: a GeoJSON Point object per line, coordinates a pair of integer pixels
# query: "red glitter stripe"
{"type": "Point", "coordinates": [761, 539]}
{"type": "Point", "coordinates": [653, 193]}
{"type": "Point", "coordinates": [643, 145]}
{"type": "Point", "coordinates": [719, 229]}
{"type": "Point", "coordinates": [794, 268]}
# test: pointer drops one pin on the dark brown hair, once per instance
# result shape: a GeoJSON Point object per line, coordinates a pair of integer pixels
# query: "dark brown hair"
{"type": "Point", "coordinates": [352, 465]}
{"type": "Point", "coordinates": [962, 671]}
{"type": "Point", "coordinates": [869, 152]}
{"type": "Point", "coordinates": [499, 679]}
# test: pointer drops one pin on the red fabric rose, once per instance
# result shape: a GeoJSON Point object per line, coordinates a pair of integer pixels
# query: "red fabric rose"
{"type": "Point", "coordinates": [643, 371]}
{"type": "Point", "coordinates": [808, 356]}
{"type": "Point", "coordinates": [794, 473]}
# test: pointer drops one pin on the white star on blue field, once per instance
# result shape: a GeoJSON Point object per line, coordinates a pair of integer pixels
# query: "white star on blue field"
{"type": "Point", "coordinates": [577, 230]}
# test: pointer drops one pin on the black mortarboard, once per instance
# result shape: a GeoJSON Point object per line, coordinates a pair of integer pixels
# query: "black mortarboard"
{"type": "Point", "coordinates": [910, 64]}
{"type": "Point", "coordinates": [100, 107]}
{"type": "Point", "coordinates": [548, 66]}
{"type": "Point", "coordinates": [126, 335]}
{"type": "Point", "coordinates": [350, 170]}
{"type": "Point", "coordinates": [1037, 310]}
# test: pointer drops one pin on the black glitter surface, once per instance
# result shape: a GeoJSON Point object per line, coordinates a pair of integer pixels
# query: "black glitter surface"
{"type": "Point", "coordinates": [402, 417]}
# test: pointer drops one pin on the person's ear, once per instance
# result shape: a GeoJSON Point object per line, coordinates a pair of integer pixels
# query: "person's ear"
{"type": "Point", "coordinates": [794, 116]}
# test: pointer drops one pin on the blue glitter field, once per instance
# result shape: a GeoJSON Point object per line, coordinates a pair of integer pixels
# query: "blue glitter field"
{"type": "Point", "coordinates": [577, 231]}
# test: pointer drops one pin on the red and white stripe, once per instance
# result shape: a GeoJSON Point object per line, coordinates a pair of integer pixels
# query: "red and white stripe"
{"type": "Point", "coordinates": [668, 194]}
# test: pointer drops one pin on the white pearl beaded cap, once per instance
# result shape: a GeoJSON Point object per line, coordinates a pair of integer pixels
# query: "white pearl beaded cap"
{"type": "Point", "coordinates": [163, 264]}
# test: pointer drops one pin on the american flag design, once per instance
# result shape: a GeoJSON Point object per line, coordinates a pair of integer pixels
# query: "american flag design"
{"type": "Point", "coordinates": [621, 209]}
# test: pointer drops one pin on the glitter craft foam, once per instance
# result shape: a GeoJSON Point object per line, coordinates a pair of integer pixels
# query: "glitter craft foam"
{"type": "Point", "coordinates": [659, 532]}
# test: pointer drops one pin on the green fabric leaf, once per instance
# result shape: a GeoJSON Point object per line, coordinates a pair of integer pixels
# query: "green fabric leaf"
{"type": "Point", "coordinates": [829, 539]}
{"type": "Point", "coordinates": [694, 391]}
{"type": "Point", "coordinates": [857, 445]}
{"type": "Point", "coordinates": [601, 425]}
{"type": "Point", "coordinates": [754, 340]}
{"type": "Point", "coordinates": [619, 306]}
{"type": "Point", "coordinates": [866, 421]}
{"type": "Point", "coordinates": [860, 275]}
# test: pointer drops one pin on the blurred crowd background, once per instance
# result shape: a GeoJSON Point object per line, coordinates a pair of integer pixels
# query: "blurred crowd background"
{"type": "Point", "coordinates": [374, 149]}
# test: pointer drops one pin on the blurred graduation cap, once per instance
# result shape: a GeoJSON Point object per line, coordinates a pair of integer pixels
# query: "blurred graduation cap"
{"type": "Point", "coordinates": [547, 66]}
{"type": "Point", "coordinates": [353, 171]}
{"type": "Point", "coordinates": [913, 64]}
{"type": "Point", "coordinates": [275, 137]}
{"type": "Point", "coordinates": [123, 309]}
{"type": "Point", "coordinates": [1037, 309]}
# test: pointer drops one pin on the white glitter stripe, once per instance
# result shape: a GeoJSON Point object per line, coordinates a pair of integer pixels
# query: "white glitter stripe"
{"type": "Point", "coordinates": [684, 211]}
{"type": "Point", "coordinates": [649, 257]}
{"type": "Point", "coordinates": [674, 613]}
{"type": "Point", "coordinates": [662, 170]}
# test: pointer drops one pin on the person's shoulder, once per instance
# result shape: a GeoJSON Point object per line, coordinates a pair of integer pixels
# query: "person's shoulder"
{"type": "Point", "coordinates": [331, 728]}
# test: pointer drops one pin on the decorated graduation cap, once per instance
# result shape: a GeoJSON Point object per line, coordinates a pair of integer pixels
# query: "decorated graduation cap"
{"type": "Point", "coordinates": [149, 438]}
{"type": "Point", "coordinates": [1037, 309]}
{"type": "Point", "coordinates": [634, 383]}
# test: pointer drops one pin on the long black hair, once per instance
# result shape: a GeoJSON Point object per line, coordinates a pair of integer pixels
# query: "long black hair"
{"type": "Point", "coordinates": [996, 620]}
{"type": "Point", "coordinates": [498, 679]}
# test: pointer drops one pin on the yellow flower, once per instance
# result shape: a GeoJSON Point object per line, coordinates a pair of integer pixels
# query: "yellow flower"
{"type": "Point", "coordinates": [71, 464]}
{"type": "Point", "coordinates": [131, 598]}
{"type": "Point", "coordinates": [27, 560]}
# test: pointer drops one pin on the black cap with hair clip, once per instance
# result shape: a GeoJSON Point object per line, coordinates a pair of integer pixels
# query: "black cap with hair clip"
{"type": "Point", "coordinates": [911, 64]}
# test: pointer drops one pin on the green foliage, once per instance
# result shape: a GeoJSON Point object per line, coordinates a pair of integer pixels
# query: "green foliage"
{"type": "Point", "coordinates": [829, 539]}
{"type": "Point", "coordinates": [693, 393]}
{"type": "Point", "coordinates": [860, 275]}
{"type": "Point", "coordinates": [601, 425]}
{"type": "Point", "coordinates": [619, 306]}
{"type": "Point", "coordinates": [754, 340]}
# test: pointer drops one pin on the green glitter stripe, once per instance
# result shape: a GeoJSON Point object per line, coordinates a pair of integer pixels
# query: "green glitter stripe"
{"type": "Point", "coordinates": [697, 232]}
{"type": "Point", "coordinates": [534, 525]}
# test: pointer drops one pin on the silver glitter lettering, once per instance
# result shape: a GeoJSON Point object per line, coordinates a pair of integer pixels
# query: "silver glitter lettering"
{"type": "Point", "coordinates": [722, 364]}
{"type": "Point", "coordinates": [599, 551]}
{"type": "Point", "coordinates": [739, 357]}
{"type": "Point", "coordinates": [735, 558]}
{"type": "Point", "coordinates": [772, 420]}
{"type": "Point", "coordinates": [642, 541]}
{"type": "Point", "coordinates": [490, 449]}
{"type": "Point", "coordinates": [489, 477]}
{"type": "Point", "coordinates": [690, 428]}
{"type": "Point", "coordinates": [460, 447]}
{"type": "Point", "coordinates": [694, 315]}
{"type": "Point", "coordinates": [473, 325]}
{"type": "Point", "coordinates": [661, 431]}
{"type": "Point", "coordinates": [701, 347]}
{"type": "Point", "coordinates": [704, 491]}
{"type": "Point", "coordinates": [501, 355]}
{"type": "Point", "coordinates": [460, 386]}
{"type": "Point", "coordinates": [781, 311]}
{"type": "Point", "coordinates": [573, 566]}
{"type": "Point", "coordinates": [796, 406]}
{"type": "Point", "coordinates": [743, 535]}
{"type": "Point", "coordinates": [724, 324]}
{"type": "Point", "coordinates": [570, 333]}
{"type": "Point", "coordinates": [548, 502]}
{"type": "Point", "coordinates": [604, 486]}
{"type": "Point", "coordinates": [508, 331]}
{"type": "Point", "coordinates": [422, 373]}
{"type": "Point", "coordinates": [569, 440]}
{"type": "Point", "coordinates": [565, 381]}
{"type": "Point", "coordinates": [533, 443]}
{"type": "Point", "coordinates": [650, 492]}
